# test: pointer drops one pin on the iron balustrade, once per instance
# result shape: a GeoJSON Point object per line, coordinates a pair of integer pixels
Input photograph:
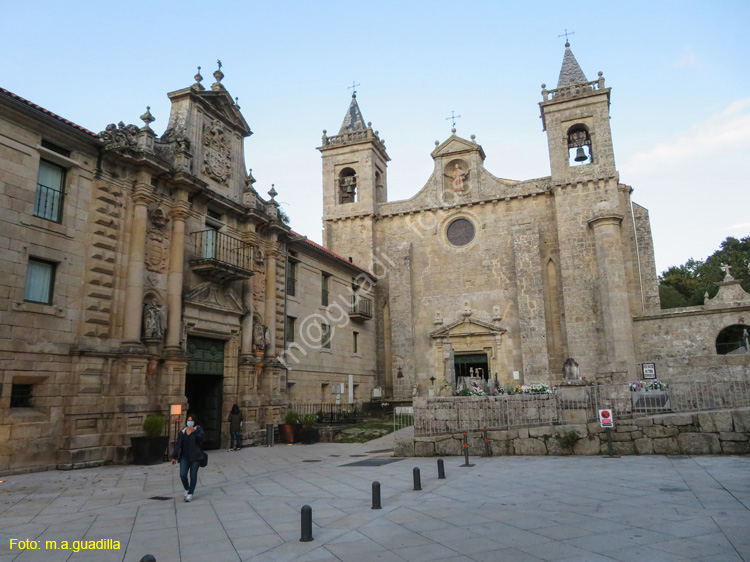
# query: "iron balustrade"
{"type": "Point", "coordinates": [330, 413]}
{"type": "Point", "coordinates": [361, 306]}
{"type": "Point", "coordinates": [212, 245]}
{"type": "Point", "coordinates": [49, 203]}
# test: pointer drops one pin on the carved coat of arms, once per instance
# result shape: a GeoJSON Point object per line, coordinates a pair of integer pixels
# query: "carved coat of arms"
{"type": "Point", "coordinates": [157, 242]}
{"type": "Point", "coordinates": [217, 151]}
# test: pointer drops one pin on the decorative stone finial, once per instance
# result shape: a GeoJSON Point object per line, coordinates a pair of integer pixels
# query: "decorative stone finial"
{"type": "Point", "coordinates": [437, 143]}
{"type": "Point", "coordinates": [198, 76]}
{"type": "Point", "coordinates": [600, 73]}
{"type": "Point", "coordinates": [438, 319]}
{"type": "Point", "coordinates": [473, 138]}
{"type": "Point", "coordinates": [453, 130]}
{"type": "Point", "coordinates": [726, 268]}
{"type": "Point", "coordinates": [272, 192]}
{"type": "Point", "coordinates": [218, 74]}
{"type": "Point", "coordinates": [467, 310]}
{"type": "Point", "coordinates": [544, 86]}
{"type": "Point", "coordinates": [237, 102]}
{"type": "Point", "coordinates": [147, 118]}
{"type": "Point", "coordinates": [369, 124]}
{"type": "Point", "coordinates": [567, 44]}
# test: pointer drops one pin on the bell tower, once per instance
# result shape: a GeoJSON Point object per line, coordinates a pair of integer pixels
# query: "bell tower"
{"type": "Point", "coordinates": [354, 183]}
{"type": "Point", "coordinates": [576, 118]}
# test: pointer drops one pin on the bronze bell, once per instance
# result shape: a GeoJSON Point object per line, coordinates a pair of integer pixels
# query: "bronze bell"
{"type": "Point", "coordinates": [349, 188]}
{"type": "Point", "coordinates": [581, 155]}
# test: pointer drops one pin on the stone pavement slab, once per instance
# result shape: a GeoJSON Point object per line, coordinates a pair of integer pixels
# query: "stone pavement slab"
{"type": "Point", "coordinates": [247, 507]}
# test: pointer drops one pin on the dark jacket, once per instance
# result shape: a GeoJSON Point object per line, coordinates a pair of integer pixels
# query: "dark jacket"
{"type": "Point", "coordinates": [191, 444]}
{"type": "Point", "coordinates": [234, 421]}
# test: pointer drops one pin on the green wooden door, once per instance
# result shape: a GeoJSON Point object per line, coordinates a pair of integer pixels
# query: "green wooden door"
{"type": "Point", "coordinates": [204, 383]}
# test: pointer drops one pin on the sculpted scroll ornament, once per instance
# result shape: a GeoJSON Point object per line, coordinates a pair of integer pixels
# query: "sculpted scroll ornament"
{"type": "Point", "coordinates": [217, 151]}
{"type": "Point", "coordinates": [120, 135]}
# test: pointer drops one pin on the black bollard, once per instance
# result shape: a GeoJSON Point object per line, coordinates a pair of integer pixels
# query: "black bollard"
{"type": "Point", "coordinates": [269, 435]}
{"type": "Point", "coordinates": [148, 558]}
{"type": "Point", "coordinates": [417, 480]}
{"type": "Point", "coordinates": [306, 524]}
{"type": "Point", "coordinates": [441, 470]}
{"type": "Point", "coordinates": [466, 451]}
{"type": "Point", "coordinates": [487, 450]}
{"type": "Point", "coordinates": [376, 495]}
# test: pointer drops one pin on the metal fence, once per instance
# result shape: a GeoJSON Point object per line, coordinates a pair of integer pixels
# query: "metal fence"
{"type": "Point", "coordinates": [574, 405]}
{"type": "Point", "coordinates": [403, 416]}
{"type": "Point", "coordinates": [330, 413]}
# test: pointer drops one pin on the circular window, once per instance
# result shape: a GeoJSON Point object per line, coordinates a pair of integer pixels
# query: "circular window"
{"type": "Point", "coordinates": [460, 232]}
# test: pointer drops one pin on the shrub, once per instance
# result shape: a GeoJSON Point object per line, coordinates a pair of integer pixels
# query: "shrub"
{"type": "Point", "coordinates": [292, 417]}
{"type": "Point", "coordinates": [309, 421]}
{"type": "Point", "coordinates": [153, 426]}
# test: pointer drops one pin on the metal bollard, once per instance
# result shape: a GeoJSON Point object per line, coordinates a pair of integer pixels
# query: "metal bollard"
{"type": "Point", "coordinates": [417, 480]}
{"type": "Point", "coordinates": [269, 435]}
{"type": "Point", "coordinates": [466, 451]}
{"type": "Point", "coordinates": [306, 524]}
{"type": "Point", "coordinates": [148, 558]}
{"type": "Point", "coordinates": [487, 450]}
{"type": "Point", "coordinates": [441, 470]}
{"type": "Point", "coordinates": [376, 495]}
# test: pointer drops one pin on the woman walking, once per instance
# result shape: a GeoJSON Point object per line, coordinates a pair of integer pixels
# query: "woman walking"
{"type": "Point", "coordinates": [235, 423]}
{"type": "Point", "coordinates": [188, 449]}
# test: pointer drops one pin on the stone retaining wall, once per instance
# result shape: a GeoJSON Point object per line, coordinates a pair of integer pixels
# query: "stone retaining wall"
{"type": "Point", "coordinates": [705, 433]}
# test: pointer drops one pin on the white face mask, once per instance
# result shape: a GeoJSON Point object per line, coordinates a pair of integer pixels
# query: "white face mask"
{"type": "Point", "coordinates": [190, 423]}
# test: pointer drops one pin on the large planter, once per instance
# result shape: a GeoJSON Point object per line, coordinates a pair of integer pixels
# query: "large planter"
{"type": "Point", "coordinates": [149, 450]}
{"type": "Point", "coordinates": [286, 432]}
{"type": "Point", "coordinates": [309, 436]}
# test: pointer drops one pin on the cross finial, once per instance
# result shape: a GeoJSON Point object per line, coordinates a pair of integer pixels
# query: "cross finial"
{"type": "Point", "coordinates": [567, 43]}
{"type": "Point", "coordinates": [452, 119]}
{"type": "Point", "coordinates": [726, 268]}
{"type": "Point", "coordinates": [219, 63]}
{"type": "Point", "coordinates": [353, 88]}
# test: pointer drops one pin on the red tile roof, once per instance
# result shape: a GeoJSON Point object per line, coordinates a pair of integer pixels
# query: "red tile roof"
{"type": "Point", "coordinates": [330, 253]}
{"type": "Point", "coordinates": [47, 112]}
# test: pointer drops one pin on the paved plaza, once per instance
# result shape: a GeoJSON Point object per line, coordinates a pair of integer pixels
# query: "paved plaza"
{"type": "Point", "coordinates": [519, 509]}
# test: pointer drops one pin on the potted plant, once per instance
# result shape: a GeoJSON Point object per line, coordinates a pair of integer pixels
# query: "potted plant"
{"type": "Point", "coordinates": [309, 434]}
{"type": "Point", "coordinates": [150, 449]}
{"type": "Point", "coordinates": [289, 427]}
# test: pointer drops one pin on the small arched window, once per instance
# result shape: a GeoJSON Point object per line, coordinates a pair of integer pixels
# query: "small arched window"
{"type": "Point", "coordinates": [579, 146]}
{"type": "Point", "coordinates": [347, 186]}
{"type": "Point", "coordinates": [733, 340]}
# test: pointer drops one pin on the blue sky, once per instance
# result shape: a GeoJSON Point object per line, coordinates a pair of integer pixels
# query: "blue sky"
{"type": "Point", "coordinates": [678, 72]}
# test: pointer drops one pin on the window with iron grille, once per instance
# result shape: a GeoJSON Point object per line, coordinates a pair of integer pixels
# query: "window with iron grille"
{"type": "Point", "coordinates": [354, 341]}
{"type": "Point", "coordinates": [20, 395]}
{"type": "Point", "coordinates": [325, 336]}
{"type": "Point", "coordinates": [40, 281]}
{"type": "Point", "coordinates": [291, 278]}
{"type": "Point", "coordinates": [50, 191]}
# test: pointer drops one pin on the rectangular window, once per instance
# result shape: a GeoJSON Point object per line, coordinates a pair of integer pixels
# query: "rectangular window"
{"type": "Point", "coordinates": [40, 281]}
{"type": "Point", "coordinates": [354, 342]}
{"type": "Point", "coordinates": [20, 395]}
{"type": "Point", "coordinates": [50, 191]}
{"type": "Point", "coordinates": [291, 279]}
{"type": "Point", "coordinates": [325, 336]}
{"type": "Point", "coordinates": [290, 328]}
{"type": "Point", "coordinates": [325, 282]}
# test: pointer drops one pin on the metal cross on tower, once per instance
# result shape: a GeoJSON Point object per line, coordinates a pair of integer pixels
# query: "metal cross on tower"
{"type": "Point", "coordinates": [353, 88]}
{"type": "Point", "coordinates": [566, 36]}
{"type": "Point", "coordinates": [453, 118]}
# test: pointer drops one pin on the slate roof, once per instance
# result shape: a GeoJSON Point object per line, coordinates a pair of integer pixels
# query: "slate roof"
{"type": "Point", "coordinates": [353, 120]}
{"type": "Point", "coordinates": [325, 250]}
{"type": "Point", "coordinates": [570, 73]}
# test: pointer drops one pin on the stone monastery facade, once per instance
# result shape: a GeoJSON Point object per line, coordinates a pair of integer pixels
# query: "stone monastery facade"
{"type": "Point", "coordinates": [144, 272]}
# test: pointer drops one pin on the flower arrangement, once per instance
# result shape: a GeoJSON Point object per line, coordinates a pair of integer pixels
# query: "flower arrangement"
{"type": "Point", "coordinates": [384, 405]}
{"type": "Point", "coordinates": [534, 388]}
{"type": "Point", "coordinates": [476, 390]}
{"type": "Point", "coordinates": [645, 386]}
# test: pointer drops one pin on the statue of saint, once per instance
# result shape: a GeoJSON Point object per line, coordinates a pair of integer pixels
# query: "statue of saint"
{"type": "Point", "coordinates": [154, 320]}
{"type": "Point", "coordinates": [571, 372]}
{"type": "Point", "coordinates": [259, 337]}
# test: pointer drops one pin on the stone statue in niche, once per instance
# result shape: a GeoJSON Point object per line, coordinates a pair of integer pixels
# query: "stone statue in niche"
{"type": "Point", "coordinates": [456, 178]}
{"type": "Point", "coordinates": [571, 372]}
{"type": "Point", "coordinates": [261, 337]}
{"type": "Point", "coordinates": [154, 320]}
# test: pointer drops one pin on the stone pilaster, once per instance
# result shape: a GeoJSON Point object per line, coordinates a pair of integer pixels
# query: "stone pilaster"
{"type": "Point", "coordinates": [613, 290]}
{"type": "Point", "coordinates": [136, 264]}
{"type": "Point", "coordinates": [175, 279]}
{"type": "Point", "coordinates": [270, 305]}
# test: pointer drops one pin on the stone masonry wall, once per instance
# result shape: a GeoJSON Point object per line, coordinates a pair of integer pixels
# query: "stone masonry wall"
{"type": "Point", "coordinates": [704, 433]}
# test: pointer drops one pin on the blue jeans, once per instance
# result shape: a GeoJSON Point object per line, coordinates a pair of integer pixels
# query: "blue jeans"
{"type": "Point", "coordinates": [186, 465]}
{"type": "Point", "coordinates": [234, 439]}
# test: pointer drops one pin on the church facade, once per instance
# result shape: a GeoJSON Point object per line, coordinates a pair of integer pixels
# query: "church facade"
{"type": "Point", "coordinates": [505, 280]}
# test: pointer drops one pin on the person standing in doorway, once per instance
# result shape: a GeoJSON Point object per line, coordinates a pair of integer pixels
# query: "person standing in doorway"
{"type": "Point", "coordinates": [188, 450]}
{"type": "Point", "coordinates": [235, 425]}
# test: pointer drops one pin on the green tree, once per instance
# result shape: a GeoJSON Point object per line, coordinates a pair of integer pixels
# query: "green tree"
{"type": "Point", "coordinates": [686, 285]}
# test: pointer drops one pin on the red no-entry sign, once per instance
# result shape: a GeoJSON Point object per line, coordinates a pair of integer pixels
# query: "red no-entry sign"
{"type": "Point", "coordinates": [606, 419]}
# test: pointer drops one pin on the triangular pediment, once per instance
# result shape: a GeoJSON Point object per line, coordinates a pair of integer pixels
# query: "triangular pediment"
{"type": "Point", "coordinates": [456, 145]}
{"type": "Point", "coordinates": [221, 104]}
{"type": "Point", "coordinates": [466, 328]}
{"type": "Point", "coordinates": [211, 296]}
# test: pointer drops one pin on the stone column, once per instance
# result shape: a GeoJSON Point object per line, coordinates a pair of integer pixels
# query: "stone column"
{"type": "Point", "coordinates": [175, 279]}
{"type": "Point", "coordinates": [137, 261]}
{"type": "Point", "coordinates": [613, 290]}
{"type": "Point", "coordinates": [270, 308]}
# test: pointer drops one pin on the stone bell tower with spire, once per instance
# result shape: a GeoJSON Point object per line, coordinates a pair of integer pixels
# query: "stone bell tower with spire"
{"type": "Point", "coordinates": [354, 183]}
{"type": "Point", "coordinates": [601, 269]}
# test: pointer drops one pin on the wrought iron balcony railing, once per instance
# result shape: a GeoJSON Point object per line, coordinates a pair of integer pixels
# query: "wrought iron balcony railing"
{"type": "Point", "coordinates": [361, 308]}
{"type": "Point", "coordinates": [220, 256]}
{"type": "Point", "coordinates": [48, 203]}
